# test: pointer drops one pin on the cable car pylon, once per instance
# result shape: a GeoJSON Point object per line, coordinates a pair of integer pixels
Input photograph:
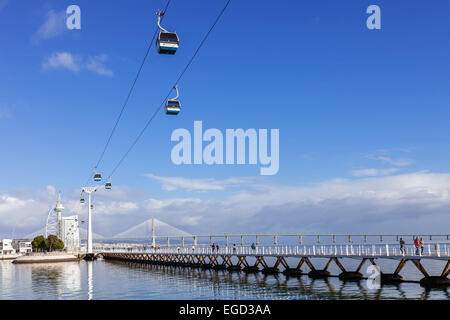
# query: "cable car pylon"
{"type": "Point", "coordinates": [90, 255]}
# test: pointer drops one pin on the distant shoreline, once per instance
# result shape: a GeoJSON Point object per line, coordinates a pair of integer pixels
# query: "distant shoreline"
{"type": "Point", "coordinates": [46, 258]}
{"type": "Point", "coordinates": [9, 256]}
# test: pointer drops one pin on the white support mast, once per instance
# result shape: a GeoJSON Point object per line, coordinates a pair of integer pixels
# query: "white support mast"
{"type": "Point", "coordinates": [89, 191]}
{"type": "Point", "coordinates": [153, 233]}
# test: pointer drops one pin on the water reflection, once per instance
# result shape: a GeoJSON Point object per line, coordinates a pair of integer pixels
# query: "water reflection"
{"type": "Point", "coordinates": [54, 280]}
{"type": "Point", "coordinates": [90, 280]}
{"type": "Point", "coordinates": [46, 280]}
{"type": "Point", "coordinates": [122, 280]}
{"type": "Point", "coordinates": [72, 277]}
{"type": "Point", "coordinates": [210, 284]}
{"type": "Point", "coordinates": [429, 293]}
{"type": "Point", "coordinates": [7, 274]}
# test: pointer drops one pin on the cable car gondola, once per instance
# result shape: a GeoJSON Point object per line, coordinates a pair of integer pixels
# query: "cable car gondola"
{"type": "Point", "coordinates": [108, 186]}
{"type": "Point", "coordinates": [167, 42]}
{"type": "Point", "coordinates": [82, 200]}
{"type": "Point", "coordinates": [97, 177]}
{"type": "Point", "coordinates": [173, 106]}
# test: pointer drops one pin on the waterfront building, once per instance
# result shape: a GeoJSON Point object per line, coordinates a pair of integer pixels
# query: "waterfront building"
{"type": "Point", "coordinates": [70, 233]}
{"type": "Point", "coordinates": [6, 247]}
{"type": "Point", "coordinates": [65, 228]}
{"type": "Point", "coordinates": [22, 246]}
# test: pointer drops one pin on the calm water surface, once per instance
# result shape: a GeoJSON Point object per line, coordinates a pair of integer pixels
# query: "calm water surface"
{"type": "Point", "coordinates": [119, 280]}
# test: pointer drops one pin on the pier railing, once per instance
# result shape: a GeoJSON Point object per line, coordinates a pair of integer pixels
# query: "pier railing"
{"type": "Point", "coordinates": [435, 250]}
{"type": "Point", "coordinates": [277, 240]}
{"type": "Point", "coordinates": [298, 238]}
{"type": "Point", "coordinates": [259, 258]}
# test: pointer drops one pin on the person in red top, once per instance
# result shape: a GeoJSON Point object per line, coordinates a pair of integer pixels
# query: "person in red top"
{"type": "Point", "coordinates": [416, 244]}
{"type": "Point", "coordinates": [421, 245]}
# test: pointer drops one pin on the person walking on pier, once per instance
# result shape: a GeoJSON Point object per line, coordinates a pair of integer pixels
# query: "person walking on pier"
{"type": "Point", "coordinates": [402, 246]}
{"type": "Point", "coordinates": [416, 245]}
{"type": "Point", "coordinates": [213, 246]}
{"type": "Point", "coordinates": [217, 248]}
{"type": "Point", "coordinates": [421, 245]}
{"type": "Point", "coordinates": [234, 248]}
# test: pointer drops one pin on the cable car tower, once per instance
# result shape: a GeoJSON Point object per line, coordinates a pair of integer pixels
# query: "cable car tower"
{"type": "Point", "coordinates": [89, 191]}
{"type": "Point", "coordinates": [89, 251]}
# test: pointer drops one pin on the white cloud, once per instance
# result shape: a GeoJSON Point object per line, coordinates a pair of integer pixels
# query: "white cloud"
{"type": "Point", "coordinates": [75, 63]}
{"type": "Point", "coordinates": [62, 60]}
{"type": "Point", "coordinates": [394, 162]}
{"type": "Point", "coordinates": [174, 183]}
{"type": "Point", "coordinates": [21, 212]}
{"type": "Point", "coordinates": [373, 172]}
{"type": "Point", "coordinates": [403, 203]}
{"type": "Point", "coordinates": [97, 64]}
{"type": "Point", "coordinates": [54, 25]}
{"type": "Point", "coordinates": [117, 193]}
{"type": "Point", "coordinates": [414, 203]}
{"type": "Point", "coordinates": [9, 203]}
{"type": "Point", "coordinates": [151, 204]}
{"type": "Point", "coordinates": [115, 207]}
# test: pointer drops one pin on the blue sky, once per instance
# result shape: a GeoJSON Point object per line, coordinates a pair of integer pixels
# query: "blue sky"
{"type": "Point", "coordinates": [350, 103]}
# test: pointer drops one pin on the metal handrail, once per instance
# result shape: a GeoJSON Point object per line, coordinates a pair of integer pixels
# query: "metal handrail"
{"type": "Point", "coordinates": [286, 235]}
{"type": "Point", "coordinates": [349, 250]}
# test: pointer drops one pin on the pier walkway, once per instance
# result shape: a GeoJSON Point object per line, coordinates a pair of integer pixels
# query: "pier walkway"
{"type": "Point", "coordinates": [257, 259]}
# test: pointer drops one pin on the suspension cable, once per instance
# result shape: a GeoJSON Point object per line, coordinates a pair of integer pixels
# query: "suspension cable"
{"type": "Point", "coordinates": [129, 94]}
{"type": "Point", "coordinates": [165, 99]}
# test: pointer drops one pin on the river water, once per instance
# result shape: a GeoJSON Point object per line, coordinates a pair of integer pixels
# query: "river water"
{"type": "Point", "coordinates": [120, 280]}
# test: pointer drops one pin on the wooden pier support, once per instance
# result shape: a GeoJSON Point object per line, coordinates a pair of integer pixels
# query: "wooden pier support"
{"type": "Point", "coordinates": [274, 269]}
{"type": "Point", "coordinates": [234, 268]}
{"type": "Point", "coordinates": [433, 281]}
{"type": "Point", "coordinates": [389, 278]}
{"type": "Point", "coordinates": [294, 271]}
{"type": "Point", "coordinates": [317, 274]}
{"type": "Point", "coordinates": [251, 269]}
{"type": "Point", "coordinates": [266, 269]}
{"type": "Point", "coordinates": [225, 262]}
{"type": "Point", "coordinates": [446, 271]}
{"type": "Point", "coordinates": [90, 256]}
{"type": "Point", "coordinates": [350, 275]}
{"type": "Point", "coordinates": [247, 268]}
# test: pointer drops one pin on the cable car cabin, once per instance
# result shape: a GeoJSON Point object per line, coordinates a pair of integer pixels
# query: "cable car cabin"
{"type": "Point", "coordinates": [167, 42]}
{"type": "Point", "coordinates": [82, 200]}
{"type": "Point", "coordinates": [173, 107]}
{"type": "Point", "coordinates": [97, 177]}
{"type": "Point", "coordinates": [108, 186]}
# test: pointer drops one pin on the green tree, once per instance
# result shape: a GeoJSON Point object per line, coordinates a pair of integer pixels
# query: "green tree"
{"type": "Point", "coordinates": [54, 243]}
{"type": "Point", "coordinates": [39, 243]}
